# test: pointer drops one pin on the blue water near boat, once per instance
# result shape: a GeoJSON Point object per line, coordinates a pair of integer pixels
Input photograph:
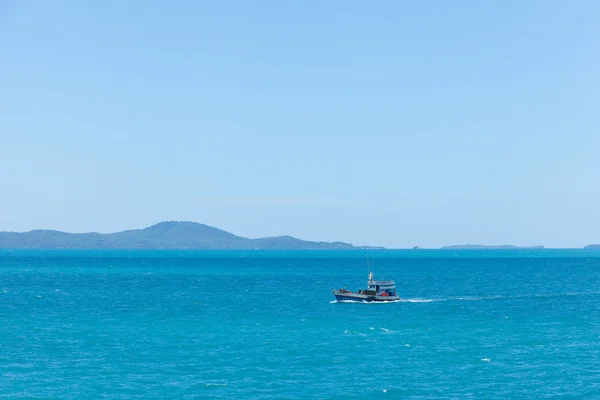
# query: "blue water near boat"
{"type": "Point", "coordinates": [264, 325]}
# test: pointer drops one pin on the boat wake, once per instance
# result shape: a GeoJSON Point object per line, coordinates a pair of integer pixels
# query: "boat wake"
{"type": "Point", "coordinates": [461, 298]}
{"type": "Point", "coordinates": [480, 298]}
{"type": "Point", "coordinates": [422, 300]}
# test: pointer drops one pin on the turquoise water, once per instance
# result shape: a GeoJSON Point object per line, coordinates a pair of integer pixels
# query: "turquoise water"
{"type": "Point", "coordinates": [262, 325]}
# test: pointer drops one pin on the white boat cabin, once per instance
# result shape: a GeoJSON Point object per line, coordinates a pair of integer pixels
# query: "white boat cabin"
{"type": "Point", "coordinates": [380, 288]}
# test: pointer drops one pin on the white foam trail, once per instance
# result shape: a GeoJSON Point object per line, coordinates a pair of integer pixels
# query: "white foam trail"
{"type": "Point", "coordinates": [418, 300]}
{"type": "Point", "coordinates": [486, 360]}
{"type": "Point", "coordinates": [467, 298]}
{"type": "Point", "coordinates": [457, 298]}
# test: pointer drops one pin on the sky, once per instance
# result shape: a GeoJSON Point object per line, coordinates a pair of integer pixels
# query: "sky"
{"type": "Point", "coordinates": [389, 123]}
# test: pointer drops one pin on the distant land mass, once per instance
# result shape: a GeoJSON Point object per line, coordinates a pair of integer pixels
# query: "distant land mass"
{"type": "Point", "coordinates": [592, 246]}
{"type": "Point", "coordinates": [485, 247]}
{"type": "Point", "coordinates": [164, 235]}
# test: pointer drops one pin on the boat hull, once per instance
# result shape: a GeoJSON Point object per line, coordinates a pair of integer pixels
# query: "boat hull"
{"type": "Point", "coordinates": [350, 296]}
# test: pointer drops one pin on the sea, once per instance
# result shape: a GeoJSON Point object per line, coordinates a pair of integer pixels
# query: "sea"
{"type": "Point", "coordinates": [167, 324]}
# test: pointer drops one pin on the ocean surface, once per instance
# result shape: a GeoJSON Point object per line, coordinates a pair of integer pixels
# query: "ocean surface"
{"type": "Point", "coordinates": [263, 325]}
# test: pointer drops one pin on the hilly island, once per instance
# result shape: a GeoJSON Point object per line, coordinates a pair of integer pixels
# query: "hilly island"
{"type": "Point", "coordinates": [164, 235]}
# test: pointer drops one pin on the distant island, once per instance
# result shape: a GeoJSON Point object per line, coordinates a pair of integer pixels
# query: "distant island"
{"type": "Point", "coordinates": [592, 246]}
{"type": "Point", "coordinates": [164, 235]}
{"type": "Point", "coordinates": [485, 247]}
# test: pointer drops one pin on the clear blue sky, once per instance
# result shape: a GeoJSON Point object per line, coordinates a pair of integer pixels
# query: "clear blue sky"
{"type": "Point", "coordinates": [387, 123]}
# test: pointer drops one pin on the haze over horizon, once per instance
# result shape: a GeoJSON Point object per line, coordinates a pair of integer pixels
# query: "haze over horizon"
{"type": "Point", "coordinates": [384, 124]}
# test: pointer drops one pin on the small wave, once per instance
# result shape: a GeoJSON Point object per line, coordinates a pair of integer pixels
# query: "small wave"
{"type": "Point", "coordinates": [486, 360]}
{"type": "Point", "coordinates": [347, 332]}
{"type": "Point", "coordinates": [216, 384]}
{"type": "Point", "coordinates": [387, 330]}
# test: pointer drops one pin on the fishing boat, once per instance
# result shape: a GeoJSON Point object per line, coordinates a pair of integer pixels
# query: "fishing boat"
{"type": "Point", "coordinates": [376, 291]}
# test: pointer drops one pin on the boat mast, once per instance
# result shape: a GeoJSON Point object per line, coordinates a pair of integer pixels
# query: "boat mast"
{"type": "Point", "coordinates": [369, 270]}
